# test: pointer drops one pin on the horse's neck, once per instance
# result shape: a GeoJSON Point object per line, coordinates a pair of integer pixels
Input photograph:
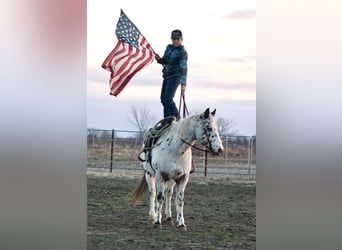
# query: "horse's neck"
{"type": "Point", "coordinates": [187, 129]}
{"type": "Point", "coordinates": [184, 130]}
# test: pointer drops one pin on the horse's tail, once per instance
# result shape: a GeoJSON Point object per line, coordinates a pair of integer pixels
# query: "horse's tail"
{"type": "Point", "coordinates": [139, 192]}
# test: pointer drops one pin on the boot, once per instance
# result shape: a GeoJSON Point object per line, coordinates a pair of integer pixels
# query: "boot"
{"type": "Point", "coordinates": [165, 122]}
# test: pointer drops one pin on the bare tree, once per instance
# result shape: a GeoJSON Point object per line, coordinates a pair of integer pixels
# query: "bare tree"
{"type": "Point", "coordinates": [91, 133]}
{"type": "Point", "coordinates": [226, 127]}
{"type": "Point", "coordinates": [142, 119]}
{"type": "Point", "coordinates": [105, 135]}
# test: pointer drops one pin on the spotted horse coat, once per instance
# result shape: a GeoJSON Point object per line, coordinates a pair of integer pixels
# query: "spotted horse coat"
{"type": "Point", "coordinates": [171, 164]}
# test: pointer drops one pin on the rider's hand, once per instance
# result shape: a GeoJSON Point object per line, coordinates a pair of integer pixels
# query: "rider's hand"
{"type": "Point", "coordinates": [183, 87]}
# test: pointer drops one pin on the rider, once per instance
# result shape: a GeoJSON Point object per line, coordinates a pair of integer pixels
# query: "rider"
{"type": "Point", "coordinates": [174, 71]}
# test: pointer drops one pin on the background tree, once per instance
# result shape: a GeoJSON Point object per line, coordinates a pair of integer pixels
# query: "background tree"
{"type": "Point", "coordinates": [142, 119]}
{"type": "Point", "coordinates": [226, 127]}
{"type": "Point", "coordinates": [91, 133]}
{"type": "Point", "coordinates": [106, 136]}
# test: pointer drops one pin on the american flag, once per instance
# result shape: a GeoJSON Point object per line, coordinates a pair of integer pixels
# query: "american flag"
{"type": "Point", "coordinates": [131, 53]}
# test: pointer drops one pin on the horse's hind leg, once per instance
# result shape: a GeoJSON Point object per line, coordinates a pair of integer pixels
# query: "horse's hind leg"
{"type": "Point", "coordinates": [168, 196]}
{"type": "Point", "coordinates": [151, 181]}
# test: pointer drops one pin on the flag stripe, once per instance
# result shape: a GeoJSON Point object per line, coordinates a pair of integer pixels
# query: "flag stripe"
{"type": "Point", "coordinates": [123, 64]}
{"type": "Point", "coordinates": [131, 53]}
{"type": "Point", "coordinates": [131, 60]}
{"type": "Point", "coordinates": [107, 63]}
{"type": "Point", "coordinates": [131, 65]}
{"type": "Point", "coordinates": [119, 82]}
{"type": "Point", "coordinates": [128, 77]}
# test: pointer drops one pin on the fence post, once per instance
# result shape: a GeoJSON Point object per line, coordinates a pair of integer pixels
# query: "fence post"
{"type": "Point", "coordinates": [111, 152]}
{"type": "Point", "coordinates": [205, 163]}
{"type": "Point", "coordinates": [226, 152]}
{"type": "Point", "coordinates": [250, 142]}
{"type": "Point", "coordinates": [93, 147]}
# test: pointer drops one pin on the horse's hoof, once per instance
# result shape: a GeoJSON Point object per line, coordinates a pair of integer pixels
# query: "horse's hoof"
{"type": "Point", "coordinates": [157, 224]}
{"type": "Point", "coordinates": [182, 226]}
{"type": "Point", "coordinates": [169, 220]}
{"type": "Point", "coordinates": [152, 218]}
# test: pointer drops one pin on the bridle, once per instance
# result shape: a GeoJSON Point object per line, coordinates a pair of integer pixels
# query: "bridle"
{"type": "Point", "coordinates": [193, 146]}
{"type": "Point", "coordinates": [210, 147]}
{"type": "Point", "coordinates": [208, 140]}
{"type": "Point", "coordinates": [186, 112]}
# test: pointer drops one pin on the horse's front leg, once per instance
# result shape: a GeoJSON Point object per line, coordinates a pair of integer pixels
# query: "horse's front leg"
{"type": "Point", "coordinates": [168, 193]}
{"type": "Point", "coordinates": [151, 181]}
{"type": "Point", "coordinates": [179, 200]}
{"type": "Point", "coordinates": [160, 187]}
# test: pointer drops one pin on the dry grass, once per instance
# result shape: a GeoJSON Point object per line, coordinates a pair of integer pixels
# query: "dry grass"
{"type": "Point", "coordinates": [219, 213]}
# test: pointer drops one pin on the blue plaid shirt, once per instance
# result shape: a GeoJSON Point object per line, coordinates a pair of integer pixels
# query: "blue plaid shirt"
{"type": "Point", "coordinates": [175, 62]}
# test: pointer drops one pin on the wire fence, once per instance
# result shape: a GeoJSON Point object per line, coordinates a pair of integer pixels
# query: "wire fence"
{"type": "Point", "coordinates": [119, 149]}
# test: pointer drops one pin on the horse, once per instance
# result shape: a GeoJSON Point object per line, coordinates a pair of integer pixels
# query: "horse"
{"type": "Point", "coordinates": [170, 164]}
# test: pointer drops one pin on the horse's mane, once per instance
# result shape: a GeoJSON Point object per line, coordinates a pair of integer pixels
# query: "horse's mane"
{"type": "Point", "coordinates": [182, 124]}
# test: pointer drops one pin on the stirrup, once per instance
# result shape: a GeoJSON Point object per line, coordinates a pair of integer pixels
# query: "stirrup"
{"type": "Point", "coordinates": [142, 155]}
{"type": "Point", "coordinates": [145, 163]}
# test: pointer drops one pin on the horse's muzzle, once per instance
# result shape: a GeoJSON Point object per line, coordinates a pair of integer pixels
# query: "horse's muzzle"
{"type": "Point", "coordinates": [214, 152]}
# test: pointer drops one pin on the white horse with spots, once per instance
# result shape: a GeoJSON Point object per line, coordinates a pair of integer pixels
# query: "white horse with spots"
{"type": "Point", "coordinates": [170, 163]}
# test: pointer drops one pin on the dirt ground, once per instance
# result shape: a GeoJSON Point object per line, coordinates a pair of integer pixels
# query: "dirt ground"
{"type": "Point", "coordinates": [220, 213]}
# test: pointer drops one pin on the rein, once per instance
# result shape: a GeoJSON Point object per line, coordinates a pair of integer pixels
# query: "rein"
{"type": "Point", "coordinates": [200, 149]}
{"type": "Point", "coordinates": [185, 108]}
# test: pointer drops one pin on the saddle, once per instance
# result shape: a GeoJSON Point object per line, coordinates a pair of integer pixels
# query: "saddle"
{"type": "Point", "coordinates": [151, 139]}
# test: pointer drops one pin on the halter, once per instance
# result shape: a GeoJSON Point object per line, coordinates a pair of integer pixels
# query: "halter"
{"type": "Point", "coordinates": [186, 112]}
{"type": "Point", "coordinates": [207, 137]}
{"type": "Point", "coordinates": [209, 142]}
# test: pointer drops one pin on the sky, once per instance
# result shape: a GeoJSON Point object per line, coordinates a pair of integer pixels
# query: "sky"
{"type": "Point", "coordinates": [220, 38]}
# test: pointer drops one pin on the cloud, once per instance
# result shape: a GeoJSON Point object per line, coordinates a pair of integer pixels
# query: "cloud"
{"type": "Point", "coordinates": [98, 75]}
{"type": "Point", "coordinates": [235, 100]}
{"type": "Point", "coordinates": [241, 59]}
{"type": "Point", "coordinates": [148, 76]}
{"type": "Point", "coordinates": [241, 15]}
{"type": "Point", "coordinates": [222, 76]}
{"type": "Point", "coordinates": [221, 85]}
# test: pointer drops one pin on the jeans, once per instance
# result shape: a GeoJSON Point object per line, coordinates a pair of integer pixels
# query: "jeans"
{"type": "Point", "coordinates": [168, 91]}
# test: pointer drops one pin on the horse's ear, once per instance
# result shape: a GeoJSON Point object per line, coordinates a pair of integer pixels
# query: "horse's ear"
{"type": "Point", "coordinates": [206, 113]}
{"type": "Point", "coordinates": [213, 113]}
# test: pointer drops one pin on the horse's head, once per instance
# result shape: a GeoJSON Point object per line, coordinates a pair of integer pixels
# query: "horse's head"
{"type": "Point", "coordinates": [207, 133]}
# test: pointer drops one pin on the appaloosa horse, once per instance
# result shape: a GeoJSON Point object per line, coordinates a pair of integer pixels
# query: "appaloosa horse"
{"type": "Point", "coordinates": [170, 163]}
